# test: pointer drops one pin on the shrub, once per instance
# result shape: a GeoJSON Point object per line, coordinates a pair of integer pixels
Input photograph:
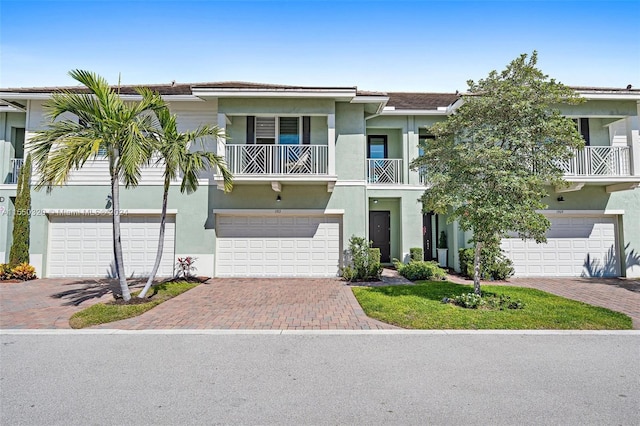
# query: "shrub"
{"type": "Point", "coordinates": [416, 254]}
{"type": "Point", "coordinates": [5, 271]}
{"type": "Point", "coordinates": [493, 266]}
{"type": "Point", "coordinates": [485, 301]}
{"type": "Point", "coordinates": [185, 266]}
{"type": "Point", "coordinates": [24, 272]}
{"type": "Point", "coordinates": [362, 262]}
{"type": "Point", "coordinates": [468, 300]}
{"type": "Point", "coordinates": [442, 242]}
{"type": "Point", "coordinates": [422, 270]}
{"type": "Point", "coordinates": [19, 252]}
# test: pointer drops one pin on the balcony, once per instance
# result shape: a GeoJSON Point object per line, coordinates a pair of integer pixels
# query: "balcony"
{"type": "Point", "coordinates": [271, 160]}
{"type": "Point", "coordinates": [603, 161]}
{"type": "Point", "coordinates": [384, 171]}
{"type": "Point", "coordinates": [14, 168]}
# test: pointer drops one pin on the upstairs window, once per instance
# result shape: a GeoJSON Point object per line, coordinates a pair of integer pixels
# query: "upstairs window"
{"type": "Point", "coordinates": [289, 131]}
{"type": "Point", "coordinates": [265, 130]}
{"type": "Point", "coordinates": [377, 147]}
{"type": "Point", "coordinates": [280, 130]}
{"type": "Point", "coordinates": [582, 124]}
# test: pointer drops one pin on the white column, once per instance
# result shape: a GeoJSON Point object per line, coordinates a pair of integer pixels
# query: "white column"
{"type": "Point", "coordinates": [331, 151]}
{"type": "Point", "coordinates": [222, 124]}
{"type": "Point", "coordinates": [455, 232]}
{"type": "Point", "coordinates": [405, 153]}
{"type": "Point", "coordinates": [633, 142]}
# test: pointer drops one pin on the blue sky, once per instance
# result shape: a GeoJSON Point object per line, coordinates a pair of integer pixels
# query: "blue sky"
{"type": "Point", "coordinates": [375, 45]}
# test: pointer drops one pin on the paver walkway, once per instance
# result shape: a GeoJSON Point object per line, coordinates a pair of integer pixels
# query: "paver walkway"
{"type": "Point", "coordinates": [621, 295]}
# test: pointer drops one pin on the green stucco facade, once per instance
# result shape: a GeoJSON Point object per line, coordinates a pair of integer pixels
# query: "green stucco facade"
{"type": "Point", "coordinates": [346, 193]}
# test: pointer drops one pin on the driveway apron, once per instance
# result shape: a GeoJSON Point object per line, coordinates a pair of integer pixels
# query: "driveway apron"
{"type": "Point", "coordinates": [276, 303]}
{"type": "Point", "coordinates": [49, 303]}
{"type": "Point", "coordinates": [298, 304]}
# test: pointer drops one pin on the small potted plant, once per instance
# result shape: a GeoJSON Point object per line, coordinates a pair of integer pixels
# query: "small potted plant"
{"type": "Point", "coordinates": [442, 250]}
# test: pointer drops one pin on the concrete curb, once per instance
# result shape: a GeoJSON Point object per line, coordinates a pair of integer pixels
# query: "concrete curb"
{"type": "Point", "coordinates": [219, 332]}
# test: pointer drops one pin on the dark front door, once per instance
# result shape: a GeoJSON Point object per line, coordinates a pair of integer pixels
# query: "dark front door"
{"type": "Point", "coordinates": [427, 236]}
{"type": "Point", "coordinates": [380, 233]}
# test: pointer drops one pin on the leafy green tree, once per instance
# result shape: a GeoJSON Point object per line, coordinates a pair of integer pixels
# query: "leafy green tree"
{"type": "Point", "coordinates": [492, 160]}
{"type": "Point", "coordinates": [173, 149]}
{"type": "Point", "coordinates": [20, 246]}
{"type": "Point", "coordinates": [105, 127]}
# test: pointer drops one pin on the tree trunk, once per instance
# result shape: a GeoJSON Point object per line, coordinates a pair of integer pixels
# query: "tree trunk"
{"type": "Point", "coordinates": [476, 269]}
{"type": "Point", "coordinates": [163, 220]}
{"type": "Point", "coordinates": [117, 242]}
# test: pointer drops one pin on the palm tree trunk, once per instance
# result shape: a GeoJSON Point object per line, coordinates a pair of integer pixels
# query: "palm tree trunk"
{"type": "Point", "coordinates": [117, 242]}
{"type": "Point", "coordinates": [476, 269]}
{"type": "Point", "coordinates": [163, 220]}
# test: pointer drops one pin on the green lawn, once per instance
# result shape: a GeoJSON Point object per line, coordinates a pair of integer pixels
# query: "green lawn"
{"type": "Point", "coordinates": [419, 307]}
{"type": "Point", "coordinates": [102, 313]}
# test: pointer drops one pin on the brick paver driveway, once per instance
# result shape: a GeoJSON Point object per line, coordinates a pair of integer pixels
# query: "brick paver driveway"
{"type": "Point", "coordinates": [219, 304]}
{"type": "Point", "coordinates": [262, 303]}
{"type": "Point", "coordinates": [48, 303]}
{"type": "Point", "coordinates": [281, 304]}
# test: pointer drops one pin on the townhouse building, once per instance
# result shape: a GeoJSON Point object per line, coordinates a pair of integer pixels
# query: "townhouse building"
{"type": "Point", "coordinates": [313, 166]}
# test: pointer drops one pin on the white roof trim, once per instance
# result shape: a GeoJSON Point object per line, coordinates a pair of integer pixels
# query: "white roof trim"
{"type": "Point", "coordinates": [369, 99]}
{"type": "Point", "coordinates": [276, 212]}
{"type": "Point", "coordinates": [444, 111]}
{"type": "Point", "coordinates": [47, 95]}
{"type": "Point", "coordinates": [105, 212]}
{"type": "Point", "coordinates": [274, 93]}
{"type": "Point", "coordinates": [581, 212]}
{"type": "Point", "coordinates": [9, 108]}
{"type": "Point", "coordinates": [610, 96]}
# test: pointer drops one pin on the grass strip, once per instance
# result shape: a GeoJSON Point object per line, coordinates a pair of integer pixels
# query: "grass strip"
{"type": "Point", "coordinates": [102, 313]}
{"type": "Point", "coordinates": [419, 307]}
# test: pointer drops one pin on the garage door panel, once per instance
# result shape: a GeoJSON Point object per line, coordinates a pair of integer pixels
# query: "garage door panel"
{"type": "Point", "coordinates": [287, 246]}
{"type": "Point", "coordinates": [271, 244]}
{"type": "Point", "coordinates": [576, 246]}
{"type": "Point", "coordinates": [81, 246]}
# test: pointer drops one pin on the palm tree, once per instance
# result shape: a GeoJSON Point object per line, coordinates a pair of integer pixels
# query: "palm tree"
{"type": "Point", "coordinates": [106, 126]}
{"type": "Point", "coordinates": [173, 150]}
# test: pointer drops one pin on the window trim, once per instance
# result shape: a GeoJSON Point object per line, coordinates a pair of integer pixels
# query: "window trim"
{"type": "Point", "coordinates": [304, 128]}
{"type": "Point", "coordinates": [582, 124]}
{"type": "Point", "coordinates": [385, 143]}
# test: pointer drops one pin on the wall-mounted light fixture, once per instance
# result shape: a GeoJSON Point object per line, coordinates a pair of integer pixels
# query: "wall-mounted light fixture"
{"type": "Point", "coordinates": [278, 198]}
{"type": "Point", "coordinates": [375, 201]}
{"type": "Point", "coordinates": [560, 199]}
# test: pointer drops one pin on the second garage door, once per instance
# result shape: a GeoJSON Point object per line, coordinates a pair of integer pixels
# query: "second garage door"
{"type": "Point", "coordinates": [82, 246]}
{"type": "Point", "coordinates": [576, 246]}
{"type": "Point", "coordinates": [277, 246]}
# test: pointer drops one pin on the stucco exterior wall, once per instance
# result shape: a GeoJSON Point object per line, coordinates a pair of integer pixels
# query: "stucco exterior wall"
{"type": "Point", "coordinates": [351, 143]}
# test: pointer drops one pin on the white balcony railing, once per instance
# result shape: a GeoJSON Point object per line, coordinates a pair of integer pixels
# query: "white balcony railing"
{"type": "Point", "coordinates": [277, 159]}
{"type": "Point", "coordinates": [16, 165]}
{"type": "Point", "coordinates": [387, 170]}
{"type": "Point", "coordinates": [598, 161]}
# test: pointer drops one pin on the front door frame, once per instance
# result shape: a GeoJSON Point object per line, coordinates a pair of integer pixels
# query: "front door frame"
{"type": "Point", "coordinates": [384, 246]}
{"type": "Point", "coordinates": [427, 235]}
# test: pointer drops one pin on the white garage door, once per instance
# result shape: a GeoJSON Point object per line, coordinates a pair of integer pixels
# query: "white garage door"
{"type": "Point", "coordinates": [576, 246]}
{"type": "Point", "coordinates": [82, 246]}
{"type": "Point", "coordinates": [277, 246]}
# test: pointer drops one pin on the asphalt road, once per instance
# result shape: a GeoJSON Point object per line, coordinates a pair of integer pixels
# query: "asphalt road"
{"type": "Point", "coordinates": [320, 379]}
